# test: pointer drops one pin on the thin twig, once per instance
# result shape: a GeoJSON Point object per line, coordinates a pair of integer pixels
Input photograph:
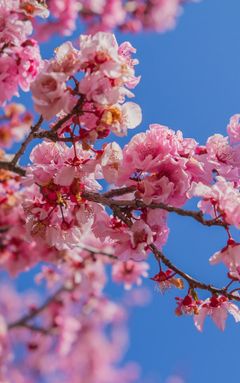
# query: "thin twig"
{"type": "Point", "coordinates": [193, 283]}
{"type": "Point", "coordinates": [25, 143]}
{"type": "Point", "coordinates": [28, 317]}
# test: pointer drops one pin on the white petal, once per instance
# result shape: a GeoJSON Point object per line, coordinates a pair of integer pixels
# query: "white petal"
{"type": "Point", "coordinates": [132, 114]}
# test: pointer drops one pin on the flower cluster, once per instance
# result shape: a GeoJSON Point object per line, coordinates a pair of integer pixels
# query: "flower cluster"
{"type": "Point", "coordinates": [69, 339]}
{"type": "Point", "coordinates": [98, 98]}
{"type": "Point", "coordinates": [19, 55]}
{"type": "Point", "coordinates": [84, 205]}
{"type": "Point", "coordinates": [107, 15]}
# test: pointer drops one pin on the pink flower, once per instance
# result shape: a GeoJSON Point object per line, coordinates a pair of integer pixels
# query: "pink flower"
{"type": "Point", "coordinates": [233, 129]}
{"type": "Point", "coordinates": [230, 256]}
{"type": "Point", "coordinates": [129, 272]}
{"type": "Point", "coordinates": [110, 161]}
{"type": "Point", "coordinates": [30, 59]}
{"type": "Point", "coordinates": [222, 198]}
{"type": "Point", "coordinates": [98, 48]}
{"type": "Point", "coordinates": [102, 90]}
{"type": "Point", "coordinates": [217, 307]}
{"type": "Point", "coordinates": [50, 93]}
{"type": "Point", "coordinates": [120, 118]}
{"type": "Point", "coordinates": [13, 30]}
{"type": "Point", "coordinates": [186, 305]}
{"type": "Point", "coordinates": [66, 59]}
{"type": "Point", "coordinates": [145, 150]}
{"type": "Point", "coordinates": [34, 8]}
{"type": "Point", "coordinates": [8, 77]}
{"type": "Point", "coordinates": [166, 279]}
{"type": "Point", "coordinates": [133, 244]}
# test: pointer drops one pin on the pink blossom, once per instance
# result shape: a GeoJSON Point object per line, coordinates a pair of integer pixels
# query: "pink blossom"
{"type": "Point", "coordinates": [49, 93]}
{"type": "Point", "coordinates": [222, 197]}
{"type": "Point", "coordinates": [152, 161]}
{"type": "Point", "coordinates": [8, 77]}
{"type": "Point", "coordinates": [13, 30]}
{"type": "Point", "coordinates": [233, 129]}
{"type": "Point", "coordinates": [186, 305]}
{"type": "Point", "coordinates": [230, 256]}
{"type": "Point", "coordinates": [217, 307]}
{"type": "Point", "coordinates": [110, 161]}
{"type": "Point", "coordinates": [120, 118]}
{"type": "Point", "coordinates": [66, 59]}
{"type": "Point", "coordinates": [129, 272]}
{"type": "Point", "coordinates": [166, 280]}
{"type": "Point", "coordinates": [64, 16]}
{"type": "Point", "coordinates": [34, 8]}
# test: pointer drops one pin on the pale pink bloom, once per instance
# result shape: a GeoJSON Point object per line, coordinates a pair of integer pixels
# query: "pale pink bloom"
{"type": "Point", "coordinates": [101, 90]}
{"type": "Point", "coordinates": [29, 65]}
{"type": "Point", "coordinates": [66, 59]}
{"type": "Point", "coordinates": [169, 183]}
{"type": "Point", "coordinates": [49, 275]}
{"type": "Point", "coordinates": [133, 244]}
{"type": "Point", "coordinates": [49, 93]}
{"type": "Point", "coordinates": [145, 150]}
{"type": "Point", "coordinates": [69, 327]}
{"type": "Point", "coordinates": [221, 198]}
{"type": "Point", "coordinates": [218, 308]}
{"type": "Point", "coordinates": [13, 30]}
{"type": "Point", "coordinates": [8, 78]}
{"type": "Point", "coordinates": [34, 8]}
{"type": "Point", "coordinates": [233, 129]}
{"type": "Point", "coordinates": [161, 15]}
{"type": "Point", "coordinates": [110, 161]}
{"type": "Point", "coordinates": [64, 14]}
{"type": "Point", "coordinates": [186, 306]}
{"type": "Point", "coordinates": [230, 256]}
{"type": "Point", "coordinates": [220, 151]}
{"type": "Point", "coordinates": [96, 6]}
{"type": "Point", "coordinates": [120, 118]}
{"type": "Point", "coordinates": [129, 273]}
{"type": "Point", "coordinates": [157, 221]}
{"type": "Point", "coordinates": [98, 48]}
{"type": "Point", "coordinates": [220, 157]}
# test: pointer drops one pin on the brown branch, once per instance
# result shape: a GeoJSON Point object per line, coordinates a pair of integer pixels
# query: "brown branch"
{"type": "Point", "coordinates": [34, 328]}
{"type": "Point", "coordinates": [193, 283]}
{"type": "Point", "coordinates": [119, 192]}
{"type": "Point", "coordinates": [105, 199]}
{"type": "Point", "coordinates": [28, 317]}
{"type": "Point", "coordinates": [95, 251]}
{"type": "Point", "coordinates": [13, 168]}
{"type": "Point", "coordinates": [52, 134]}
{"type": "Point", "coordinates": [27, 140]}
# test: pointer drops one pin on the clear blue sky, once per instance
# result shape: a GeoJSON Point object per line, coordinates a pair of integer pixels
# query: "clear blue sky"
{"type": "Point", "coordinates": [190, 81]}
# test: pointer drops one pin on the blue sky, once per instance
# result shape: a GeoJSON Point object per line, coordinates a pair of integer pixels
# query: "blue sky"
{"type": "Point", "coordinates": [190, 81]}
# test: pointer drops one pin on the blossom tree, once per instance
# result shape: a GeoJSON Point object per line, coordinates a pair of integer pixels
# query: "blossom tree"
{"type": "Point", "coordinates": [83, 207]}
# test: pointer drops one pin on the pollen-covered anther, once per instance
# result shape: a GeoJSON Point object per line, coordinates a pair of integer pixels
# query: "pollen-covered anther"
{"type": "Point", "coordinates": [111, 116]}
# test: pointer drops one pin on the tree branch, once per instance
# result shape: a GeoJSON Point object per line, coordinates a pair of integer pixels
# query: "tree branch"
{"type": "Point", "coordinates": [22, 322]}
{"type": "Point", "coordinates": [27, 140]}
{"type": "Point", "coordinates": [13, 168]}
{"type": "Point", "coordinates": [193, 283]}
